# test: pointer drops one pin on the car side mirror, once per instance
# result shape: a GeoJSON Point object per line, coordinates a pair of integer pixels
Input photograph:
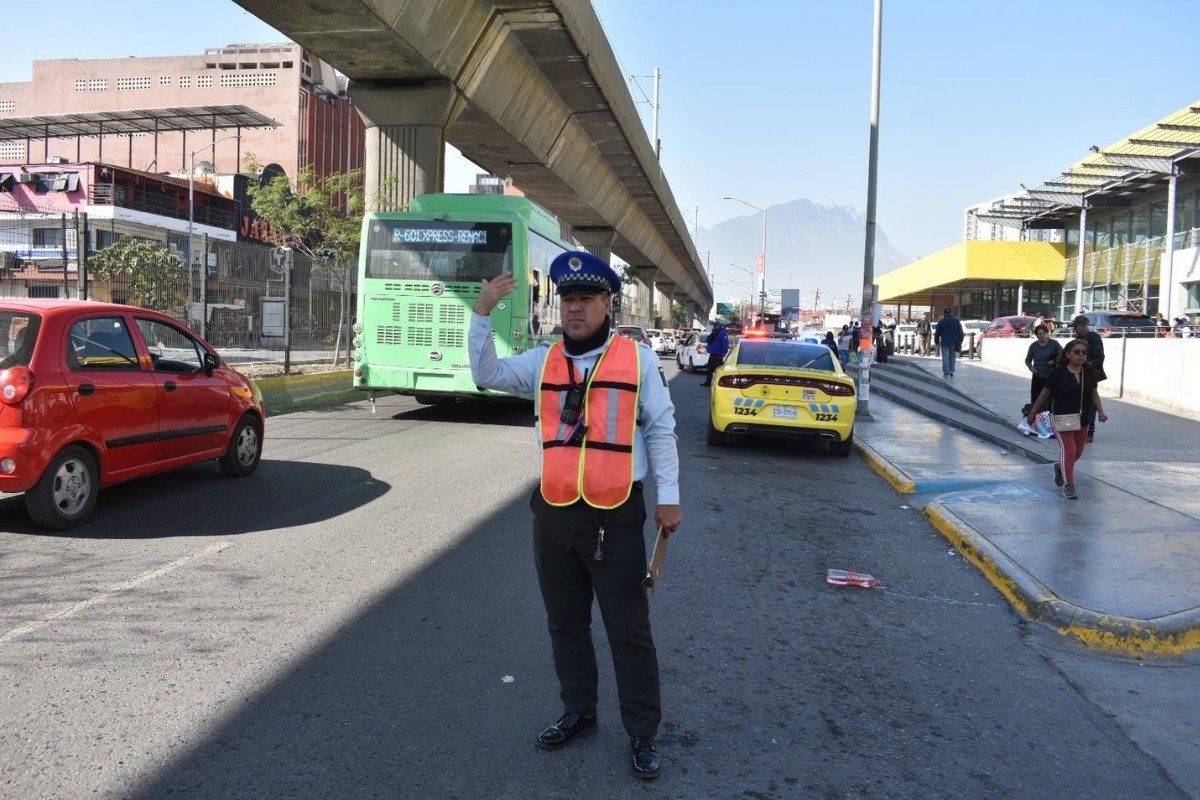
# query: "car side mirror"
{"type": "Point", "coordinates": [211, 362]}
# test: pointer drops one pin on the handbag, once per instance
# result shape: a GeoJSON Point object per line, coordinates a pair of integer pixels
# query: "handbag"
{"type": "Point", "coordinates": [1071, 422]}
{"type": "Point", "coordinates": [1067, 422]}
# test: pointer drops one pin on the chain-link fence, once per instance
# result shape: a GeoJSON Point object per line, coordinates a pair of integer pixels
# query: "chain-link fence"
{"type": "Point", "coordinates": [238, 295]}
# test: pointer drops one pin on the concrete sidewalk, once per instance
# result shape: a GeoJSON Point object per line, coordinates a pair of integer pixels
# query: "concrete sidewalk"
{"type": "Point", "coordinates": [1115, 569]}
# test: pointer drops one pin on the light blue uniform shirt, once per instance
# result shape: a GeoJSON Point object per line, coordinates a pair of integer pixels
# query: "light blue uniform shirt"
{"type": "Point", "coordinates": [519, 375]}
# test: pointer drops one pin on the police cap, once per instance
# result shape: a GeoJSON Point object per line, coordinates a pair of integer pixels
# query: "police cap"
{"type": "Point", "coordinates": [580, 271]}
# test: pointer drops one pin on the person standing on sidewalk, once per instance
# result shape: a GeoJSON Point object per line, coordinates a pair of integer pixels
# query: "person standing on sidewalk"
{"type": "Point", "coordinates": [1072, 388]}
{"type": "Point", "coordinates": [1041, 358]}
{"type": "Point", "coordinates": [718, 348]}
{"type": "Point", "coordinates": [843, 345]}
{"type": "Point", "coordinates": [924, 331]}
{"type": "Point", "coordinates": [604, 418]}
{"type": "Point", "coordinates": [949, 336]}
{"type": "Point", "coordinates": [1095, 359]}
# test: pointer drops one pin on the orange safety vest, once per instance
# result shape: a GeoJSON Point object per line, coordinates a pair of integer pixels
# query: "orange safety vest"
{"type": "Point", "coordinates": [598, 468]}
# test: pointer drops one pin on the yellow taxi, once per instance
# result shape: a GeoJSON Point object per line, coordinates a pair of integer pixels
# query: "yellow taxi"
{"type": "Point", "coordinates": [783, 389]}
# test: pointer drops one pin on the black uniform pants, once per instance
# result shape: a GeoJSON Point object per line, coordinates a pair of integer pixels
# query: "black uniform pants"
{"type": "Point", "coordinates": [714, 362]}
{"type": "Point", "coordinates": [564, 547]}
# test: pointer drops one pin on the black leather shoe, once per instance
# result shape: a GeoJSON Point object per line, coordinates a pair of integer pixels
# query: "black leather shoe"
{"type": "Point", "coordinates": [564, 730]}
{"type": "Point", "coordinates": [646, 763]}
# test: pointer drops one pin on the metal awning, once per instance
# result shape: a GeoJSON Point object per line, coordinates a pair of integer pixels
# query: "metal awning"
{"type": "Point", "coordinates": [1109, 176]}
{"type": "Point", "coordinates": [143, 120]}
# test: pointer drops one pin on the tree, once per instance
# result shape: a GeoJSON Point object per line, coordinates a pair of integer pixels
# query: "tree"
{"type": "Point", "coordinates": [152, 273]}
{"type": "Point", "coordinates": [318, 216]}
{"type": "Point", "coordinates": [679, 315]}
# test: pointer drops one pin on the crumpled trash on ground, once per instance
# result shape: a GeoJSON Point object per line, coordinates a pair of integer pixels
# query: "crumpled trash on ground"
{"type": "Point", "coordinates": [1040, 427]}
{"type": "Point", "coordinates": [842, 577]}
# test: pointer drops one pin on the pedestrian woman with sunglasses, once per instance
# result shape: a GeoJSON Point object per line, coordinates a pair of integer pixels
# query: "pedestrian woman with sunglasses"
{"type": "Point", "coordinates": [1072, 391]}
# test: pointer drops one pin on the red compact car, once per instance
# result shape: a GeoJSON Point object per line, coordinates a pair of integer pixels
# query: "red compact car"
{"type": "Point", "coordinates": [92, 394]}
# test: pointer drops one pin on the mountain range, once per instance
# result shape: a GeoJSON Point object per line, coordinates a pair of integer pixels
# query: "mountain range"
{"type": "Point", "coordinates": [814, 247]}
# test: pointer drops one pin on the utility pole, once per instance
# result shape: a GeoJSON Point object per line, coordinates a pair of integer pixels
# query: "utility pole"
{"type": "Point", "coordinates": [868, 298]}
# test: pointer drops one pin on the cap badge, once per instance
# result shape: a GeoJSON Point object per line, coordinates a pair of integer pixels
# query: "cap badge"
{"type": "Point", "coordinates": [575, 263]}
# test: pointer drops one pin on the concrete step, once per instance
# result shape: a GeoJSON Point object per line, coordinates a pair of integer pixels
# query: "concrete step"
{"type": "Point", "coordinates": [979, 422]}
{"type": "Point", "coordinates": [916, 380]}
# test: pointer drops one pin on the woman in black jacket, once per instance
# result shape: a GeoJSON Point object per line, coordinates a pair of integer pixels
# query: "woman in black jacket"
{"type": "Point", "coordinates": [1041, 358]}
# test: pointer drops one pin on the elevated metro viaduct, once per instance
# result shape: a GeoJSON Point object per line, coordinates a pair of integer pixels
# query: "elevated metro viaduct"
{"type": "Point", "coordinates": [527, 89]}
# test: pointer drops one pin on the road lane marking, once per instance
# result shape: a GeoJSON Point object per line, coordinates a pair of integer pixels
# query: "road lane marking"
{"type": "Point", "coordinates": [29, 627]}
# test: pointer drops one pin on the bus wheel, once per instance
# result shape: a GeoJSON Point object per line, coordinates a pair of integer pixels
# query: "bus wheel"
{"type": "Point", "coordinates": [434, 400]}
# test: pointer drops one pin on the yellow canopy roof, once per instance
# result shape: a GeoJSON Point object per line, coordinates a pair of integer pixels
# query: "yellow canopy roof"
{"type": "Point", "coordinates": [972, 265]}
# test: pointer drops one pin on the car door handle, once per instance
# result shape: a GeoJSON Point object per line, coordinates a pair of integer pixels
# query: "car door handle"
{"type": "Point", "coordinates": [169, 386]}
{"type": "Point", "coordinates": [87, 389]}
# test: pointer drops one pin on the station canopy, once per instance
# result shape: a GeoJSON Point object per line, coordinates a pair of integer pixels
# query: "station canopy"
{"type": "Point", "coordinates": [143, 120]}
{"type": "Point", "coordinates": [1109, 176]}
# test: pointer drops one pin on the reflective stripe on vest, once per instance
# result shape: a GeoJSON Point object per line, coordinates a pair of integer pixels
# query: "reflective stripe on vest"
{"type": "Point", "coordinates": [600, 467]}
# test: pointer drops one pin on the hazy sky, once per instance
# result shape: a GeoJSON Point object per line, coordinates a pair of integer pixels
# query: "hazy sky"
{"type": "Point", "coordinates": [769, 100]}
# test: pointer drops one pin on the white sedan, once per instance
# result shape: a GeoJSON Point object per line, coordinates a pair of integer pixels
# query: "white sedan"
{"type": "Point", "coordinates": [661, 342]}
{"type": "Point", "coordinates": [692, 355]}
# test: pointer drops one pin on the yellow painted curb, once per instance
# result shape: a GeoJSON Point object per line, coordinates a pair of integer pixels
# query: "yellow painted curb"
{"type": "Point", "coordinates": [284, 393]}
{"type": "Point", "coordinates": [898, 480]}
{"type": "Point", "coordinates": [1171, 635]}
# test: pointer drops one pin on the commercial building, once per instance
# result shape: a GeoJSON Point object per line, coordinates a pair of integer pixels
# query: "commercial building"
{"type": "Point", "coordinates": [317, 124]}
{"type": "Point", "coordinates": [1123, 219]}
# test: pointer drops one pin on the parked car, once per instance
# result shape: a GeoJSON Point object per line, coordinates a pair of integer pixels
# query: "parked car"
{"type": "Point", "coordinates": [93, 394]}
{"type": "Point", "coordinates": [663, 342]}
{"type": "Point", "coordinates": [692, 355]}
{"type": "Point", "coordinates": [783, 389]}
{"type": "Point", "coordinates": [1005, 327]}
{"type": "Point", "coordinates": [976, 326]}
{"type": "Point", "coordinates": [635, 332]}
{"type": "Point", "coordinates": [1114, 323]}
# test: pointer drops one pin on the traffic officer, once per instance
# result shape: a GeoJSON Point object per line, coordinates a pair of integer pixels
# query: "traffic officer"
{"type": "Point", "coordinates": [604, 415]}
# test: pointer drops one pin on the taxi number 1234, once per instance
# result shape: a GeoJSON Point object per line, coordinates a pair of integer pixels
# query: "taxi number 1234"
{"type": "Point", "coordinates": [826, 417]}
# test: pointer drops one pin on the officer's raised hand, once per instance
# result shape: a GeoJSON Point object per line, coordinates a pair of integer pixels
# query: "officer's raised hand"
{"type": "Point", "coordinates": [493, 292]}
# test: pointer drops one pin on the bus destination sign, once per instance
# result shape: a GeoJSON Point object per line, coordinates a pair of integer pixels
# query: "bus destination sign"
{"type": "Point", "coordinates": [462, 236]}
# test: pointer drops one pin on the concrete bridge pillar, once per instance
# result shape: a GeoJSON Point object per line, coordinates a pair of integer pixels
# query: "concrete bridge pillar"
{"type": "Point", "coordinates": [597, 241]}
{"type": "Point", "coordinates": [405, 139]}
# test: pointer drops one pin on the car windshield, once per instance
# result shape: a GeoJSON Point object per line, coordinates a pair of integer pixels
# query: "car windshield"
{"type": "Point", "coordinates": [796, 355]}
{"type": "Point", "coordinates": [18, 334]}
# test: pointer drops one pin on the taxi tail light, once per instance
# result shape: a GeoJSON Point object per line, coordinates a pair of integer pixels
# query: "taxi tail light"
{"type": "Point", "coordinates": [832, 388]}
{"type": "Point", "coordinates": [15, 385]}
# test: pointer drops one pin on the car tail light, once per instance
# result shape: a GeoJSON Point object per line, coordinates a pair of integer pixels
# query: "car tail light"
{"type": "Point", "coordinates": [832, 388]}
{"type": "Point", "coordinates": [15, 383]}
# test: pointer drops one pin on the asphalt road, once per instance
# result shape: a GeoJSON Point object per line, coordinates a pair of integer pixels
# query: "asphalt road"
{"type": "Point", "coordinates": [360, 620]}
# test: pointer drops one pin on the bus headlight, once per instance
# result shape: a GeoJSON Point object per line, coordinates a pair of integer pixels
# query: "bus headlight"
{"type": "Point", "coordinates": [516, 334]}
{"type": "Point", "coordinates": [356, 327]}
{"type": "Point", "coordinates": [356, 341]}
{"type": "Point", "coordinates": [356, 355]}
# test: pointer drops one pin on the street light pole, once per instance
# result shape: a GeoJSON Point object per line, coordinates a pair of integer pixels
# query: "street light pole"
{"type": "Point", "coordinates": [762, 303]}
{"type": "Point", "coordinates": [192, 206]}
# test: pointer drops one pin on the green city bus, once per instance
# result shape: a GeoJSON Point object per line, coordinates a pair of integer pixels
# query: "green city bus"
{"type": "Point", "coordinates": [419, 274]}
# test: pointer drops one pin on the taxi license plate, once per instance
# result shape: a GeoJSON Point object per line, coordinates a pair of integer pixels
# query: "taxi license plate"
{"type": "Point", "coordinates": [783, 412]}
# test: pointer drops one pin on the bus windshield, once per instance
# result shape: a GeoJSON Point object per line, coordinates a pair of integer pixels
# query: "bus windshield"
{"type": "Point", "coordinates": [438, 251]}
